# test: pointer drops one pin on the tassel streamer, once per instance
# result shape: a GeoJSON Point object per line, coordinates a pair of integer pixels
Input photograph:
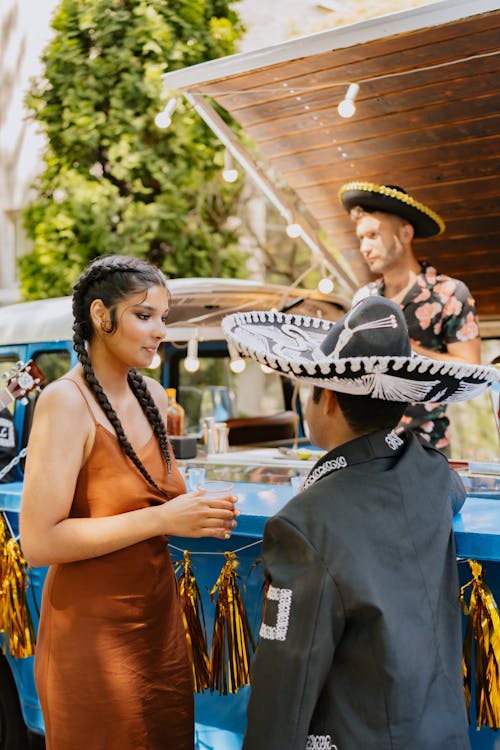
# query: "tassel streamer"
{"type": "Point", "coordinates": [482, 636]}
{"type": "Point", "coordinates": [193, 618]}
{"type": "Point", "coordinates": [232, 637]}
{"type": "Point", "coordinates": [15, 618]}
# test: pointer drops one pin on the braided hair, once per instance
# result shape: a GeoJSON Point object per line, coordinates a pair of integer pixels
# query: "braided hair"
{"type": "Point", "coordinates": [112, 279]}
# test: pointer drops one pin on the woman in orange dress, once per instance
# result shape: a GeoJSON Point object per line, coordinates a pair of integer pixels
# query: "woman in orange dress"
{"type": "Point", "coordinates": [101, 492]}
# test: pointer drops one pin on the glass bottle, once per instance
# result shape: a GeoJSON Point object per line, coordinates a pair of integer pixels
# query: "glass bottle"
{"type": "Point", "coordinates": [175, 414]}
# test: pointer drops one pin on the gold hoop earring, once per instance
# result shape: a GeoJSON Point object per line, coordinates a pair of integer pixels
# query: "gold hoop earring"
{"type": "Point", "coordinates": [106, 326]}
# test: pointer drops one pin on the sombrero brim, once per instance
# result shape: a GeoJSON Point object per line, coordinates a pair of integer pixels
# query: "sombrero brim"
{"type": "Point", "coordinates": [425, 222]}
{"type": "Point", "coordinates": [290, 345]}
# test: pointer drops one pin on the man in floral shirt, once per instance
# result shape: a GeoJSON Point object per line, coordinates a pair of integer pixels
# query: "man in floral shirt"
{"type": "Point", "coordinates": [439, 310]}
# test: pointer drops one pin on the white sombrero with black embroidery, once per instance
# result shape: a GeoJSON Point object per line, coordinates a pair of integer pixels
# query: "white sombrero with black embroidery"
{"type": "Point", "coordinates": [367, 352]}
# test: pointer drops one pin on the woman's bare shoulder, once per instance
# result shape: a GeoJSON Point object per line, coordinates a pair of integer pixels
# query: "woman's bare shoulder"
{"type": "Point", "coordinates": [63, 395]}
{"type": "Point", "coordinates": [62, 419]}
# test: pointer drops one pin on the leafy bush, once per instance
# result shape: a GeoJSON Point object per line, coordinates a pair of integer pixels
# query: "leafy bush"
{"type": "Point", "coordinates": [112, 181]}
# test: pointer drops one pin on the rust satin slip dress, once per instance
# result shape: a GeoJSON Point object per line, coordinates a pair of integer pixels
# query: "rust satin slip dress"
{"type": "Point", "coordinates": [111, 662]}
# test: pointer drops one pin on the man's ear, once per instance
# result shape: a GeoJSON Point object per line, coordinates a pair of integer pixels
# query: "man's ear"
{"type": "Point", "coordinates": [331, 403]}
{"type": "Point", "coordinates": [407, 233]}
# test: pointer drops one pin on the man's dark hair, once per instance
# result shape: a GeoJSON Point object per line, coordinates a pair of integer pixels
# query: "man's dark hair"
{"type": "Point", "coordinates": [365, 414]}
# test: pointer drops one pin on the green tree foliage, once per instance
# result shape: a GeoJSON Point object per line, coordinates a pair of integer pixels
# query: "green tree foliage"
{"type": "Point", "coordinates": [112, 181]}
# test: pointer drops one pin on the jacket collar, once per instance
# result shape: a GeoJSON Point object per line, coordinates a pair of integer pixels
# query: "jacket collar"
{"type": "Point", "coordinates": [380, 444]}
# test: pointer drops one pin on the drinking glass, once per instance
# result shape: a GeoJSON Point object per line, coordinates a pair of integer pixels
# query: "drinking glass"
{"type": "Point", "coordinates": [195, 476]}
{"type": "Point", "coordinates": [215, 488]}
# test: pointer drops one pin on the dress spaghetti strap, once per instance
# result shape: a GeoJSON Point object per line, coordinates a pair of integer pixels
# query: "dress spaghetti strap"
{"type": "Point", "coordinates": [91, 411]}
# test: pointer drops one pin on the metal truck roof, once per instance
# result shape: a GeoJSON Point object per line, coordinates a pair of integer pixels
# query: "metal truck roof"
{"type": "Point", "coordinates": [198, 306]}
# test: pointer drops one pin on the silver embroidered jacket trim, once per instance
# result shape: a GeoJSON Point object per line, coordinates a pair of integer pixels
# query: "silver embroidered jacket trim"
{"type": "Point", "coordinates": [320, 742]}
{"type": "Point", "coordinates": [278, 632]}
{"type": "Point", "coordinates": [326, 468]}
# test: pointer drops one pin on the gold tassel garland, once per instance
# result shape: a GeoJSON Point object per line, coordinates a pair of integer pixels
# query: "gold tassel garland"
{"type": "Point", "coordinates": [193, 618]}
{"type": "Point", "coordinates": [15, 619]}
{"type": "Point", "coordinates": [482, 634]}
{"type": "Point", "coordinates": [232, 637]}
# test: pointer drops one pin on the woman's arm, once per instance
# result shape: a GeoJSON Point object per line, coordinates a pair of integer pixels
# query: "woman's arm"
{"type": "Point", "coordinates": [60, 441]}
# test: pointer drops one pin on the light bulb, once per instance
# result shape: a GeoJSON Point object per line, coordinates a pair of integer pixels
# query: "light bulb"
{"type": "Point", "coordinates": [230, 175]}
{"type": "Point", "coordinates": [237, 365]}
{"type": "Point", "coordinates": [325, 286]}
{"type": "Point", "coordinates": [155, 362]}
{"type": "Point", "coordinates": [294, 230]}
{"type": "Point", "coordinates": [347, 107]}
{"type": "Point", "coordinates": [266, 369]}
{"type": "Point", "coordinates": [192, 364]}
{"type": "Point", "coordinates": [164, 118]}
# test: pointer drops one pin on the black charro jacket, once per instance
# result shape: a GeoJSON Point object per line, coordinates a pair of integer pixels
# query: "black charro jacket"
{"type": "Point", "coordinates": [360, 647]}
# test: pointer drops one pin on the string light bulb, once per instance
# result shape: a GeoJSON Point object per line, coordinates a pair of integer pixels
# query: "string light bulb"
{"type": "Point", "coordinates": [229, 173]}
{"type": "Point", "coordinates": [347, 107]}
{"type": "Point", "coordinates": [325, 285]}
{"type": "Point", "coordinates": [155, 362]}
{"type": "Point", "coordinates": [164, 118]}
{"type": "Point", "coordinates": [294, 230]}
{"type": "Point", "coordinates": [192, 363]}
{"type": "Point", "coordinates": [236, 364]}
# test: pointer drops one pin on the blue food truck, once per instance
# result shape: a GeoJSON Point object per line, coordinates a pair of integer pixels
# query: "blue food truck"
{"type": "Point", "coordinates": [267, 454]}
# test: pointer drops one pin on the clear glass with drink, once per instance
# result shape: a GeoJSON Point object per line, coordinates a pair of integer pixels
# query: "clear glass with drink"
{"type": "Point", "coordinates": [195, 476]}
{"type": "Point", "coordinates": [215, 488]}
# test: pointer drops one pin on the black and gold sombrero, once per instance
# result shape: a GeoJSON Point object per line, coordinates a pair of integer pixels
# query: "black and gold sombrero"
{"type": "Point", "coordinates": [365, 353]}
{"type": "Point", "coordinates": [392, 199]}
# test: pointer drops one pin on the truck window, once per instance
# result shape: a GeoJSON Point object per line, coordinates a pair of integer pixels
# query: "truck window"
{"type": "Point", "coordinates": [7, 362]}
{"type": "Point", "coordinates": [53, 364]}
{"type": "Point", "coordinates": [214, 390]}
{"type": "Point", "coordinates": [8, 439]}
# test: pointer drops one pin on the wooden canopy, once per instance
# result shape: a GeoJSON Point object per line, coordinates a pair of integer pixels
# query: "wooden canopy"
{"type": "Point", "coordinates": [427, 119]}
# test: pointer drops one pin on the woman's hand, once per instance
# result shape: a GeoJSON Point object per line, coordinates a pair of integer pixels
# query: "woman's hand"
{"type": "Point", "coordinates": [196, 515]}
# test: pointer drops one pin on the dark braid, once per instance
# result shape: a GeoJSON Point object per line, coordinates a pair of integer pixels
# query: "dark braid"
{"type": "Point", "coordinates": [141, 392]}
{"type": "Point", "coordinates": [112, 279]}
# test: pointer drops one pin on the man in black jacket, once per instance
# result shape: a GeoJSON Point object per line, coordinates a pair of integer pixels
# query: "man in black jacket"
{"type": "Point", "coordinates": [360, 645]}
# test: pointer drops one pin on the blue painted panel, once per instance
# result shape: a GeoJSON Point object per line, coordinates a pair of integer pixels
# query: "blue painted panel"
{"type": "Point", "coordinates": [477, 528]}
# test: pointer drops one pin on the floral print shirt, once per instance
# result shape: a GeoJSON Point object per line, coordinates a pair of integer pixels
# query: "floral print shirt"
{"type": "Point", "coordinates": [439, 310]}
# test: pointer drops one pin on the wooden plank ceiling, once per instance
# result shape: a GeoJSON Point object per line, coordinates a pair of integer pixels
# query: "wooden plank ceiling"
{"type": "Point", "coordinates": [427, 119]}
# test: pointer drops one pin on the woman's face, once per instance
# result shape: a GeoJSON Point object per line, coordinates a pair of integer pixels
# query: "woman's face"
{"type": "Point", "coordinates": [140, 327]}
